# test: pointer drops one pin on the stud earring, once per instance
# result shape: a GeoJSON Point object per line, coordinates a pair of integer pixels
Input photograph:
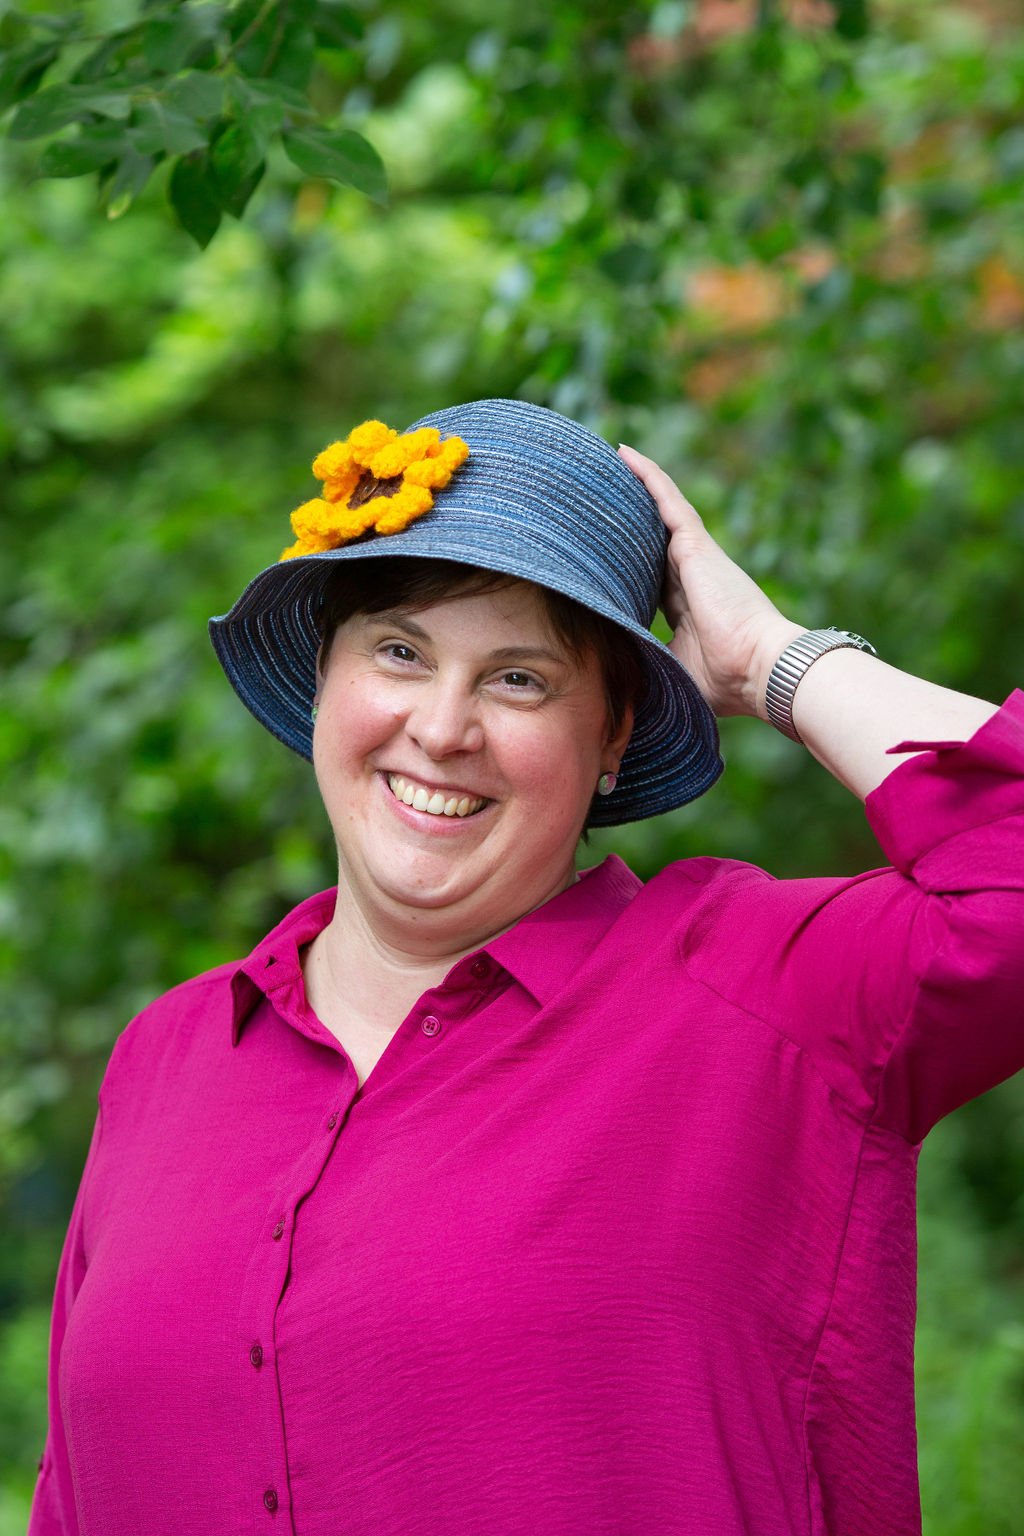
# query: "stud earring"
{"type": "Point", "coordinates": [606, 783]}
{"type": "Point", "coordinates": [314, 712]}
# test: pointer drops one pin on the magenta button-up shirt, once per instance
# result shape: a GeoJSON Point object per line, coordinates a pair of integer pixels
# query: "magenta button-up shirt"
{"type": "Point", "coordinates": [617, 1238]}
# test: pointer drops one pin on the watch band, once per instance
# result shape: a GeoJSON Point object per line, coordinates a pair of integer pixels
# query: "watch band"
{"type": "Point", "coordinates": [787, 672]}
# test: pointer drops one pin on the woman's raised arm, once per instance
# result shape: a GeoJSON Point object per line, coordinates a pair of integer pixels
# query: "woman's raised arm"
{"type": "Point", "coordinates": [850, 708]}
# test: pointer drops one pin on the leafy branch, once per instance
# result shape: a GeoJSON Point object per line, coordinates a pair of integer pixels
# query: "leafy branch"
{"type": "Point", "coordinates": [210, 88]}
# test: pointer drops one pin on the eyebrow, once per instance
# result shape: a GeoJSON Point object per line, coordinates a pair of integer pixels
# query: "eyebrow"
{"type": "Point", "coordinates": [402, 620]}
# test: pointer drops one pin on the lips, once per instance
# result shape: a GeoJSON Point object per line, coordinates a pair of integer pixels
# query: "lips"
{"type": "Point", "coordinates": [435, 802]}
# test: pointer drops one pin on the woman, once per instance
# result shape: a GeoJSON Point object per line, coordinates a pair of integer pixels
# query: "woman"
{"type": "Point", "coordinates": [482, 1197]}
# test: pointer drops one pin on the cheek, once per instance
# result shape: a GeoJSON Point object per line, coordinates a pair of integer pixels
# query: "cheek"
{"type": "Point", "coordinates": [554, 769]}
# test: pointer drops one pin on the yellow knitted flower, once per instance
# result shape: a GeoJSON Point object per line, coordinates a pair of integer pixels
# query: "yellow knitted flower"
{"type": "Point", "coordinates": [376, 480]}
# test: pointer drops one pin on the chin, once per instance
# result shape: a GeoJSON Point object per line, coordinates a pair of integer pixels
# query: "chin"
{"type": "Point", "coordinates": [428, 890]}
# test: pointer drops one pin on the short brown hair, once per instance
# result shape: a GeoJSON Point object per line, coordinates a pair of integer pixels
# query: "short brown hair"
{"type": "Point", "coordinates": [407, 582]}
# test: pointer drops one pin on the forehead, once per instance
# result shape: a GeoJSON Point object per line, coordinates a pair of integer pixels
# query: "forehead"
{"type": "Point", "coordinates": [516, 607]}
{"type": "Point", "coordinates": [513, 621]}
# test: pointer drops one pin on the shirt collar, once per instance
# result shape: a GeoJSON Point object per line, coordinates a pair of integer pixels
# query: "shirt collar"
{"type": "Point", "coordinates": [275, 964]}
{"type": "Point", "coordinates": [540, 951]}
{"type": "Point", "coordinates": [550, 943]}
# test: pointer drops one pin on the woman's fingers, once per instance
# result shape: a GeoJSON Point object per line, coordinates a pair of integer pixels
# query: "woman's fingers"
{"type": "Point", "coordinates": [676, 512]}
{"type": "Point", "coordinates": [724, 624]}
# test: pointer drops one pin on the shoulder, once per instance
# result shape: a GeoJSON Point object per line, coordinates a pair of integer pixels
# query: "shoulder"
{"type": "Point", "coordinates": [171, 1025]}
{"type": "Point", "coordinates": [702, 897]}
{"type": "Point", "coordinates": [691, 895]}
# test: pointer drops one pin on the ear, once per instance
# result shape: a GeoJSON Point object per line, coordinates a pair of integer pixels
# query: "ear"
{"type": "Point", "coordinates": [615, 746]}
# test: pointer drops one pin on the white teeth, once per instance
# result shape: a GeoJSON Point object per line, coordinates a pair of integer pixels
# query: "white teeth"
{"type": "Point", "coordinates": [433, 803]}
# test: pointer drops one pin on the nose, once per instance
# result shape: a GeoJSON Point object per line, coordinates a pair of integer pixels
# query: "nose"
{"type": "Point", "coordinates": [445, 718]}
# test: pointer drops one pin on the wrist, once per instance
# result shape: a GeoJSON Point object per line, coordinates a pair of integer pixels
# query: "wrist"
{"type": "Point", "coordinates": [792, 666]}
{"type": "Point", "coordinates": [769, 649]}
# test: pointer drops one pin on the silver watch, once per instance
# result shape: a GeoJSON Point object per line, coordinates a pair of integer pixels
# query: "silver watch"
{"type": "Point", "coordinates": [793, 663]}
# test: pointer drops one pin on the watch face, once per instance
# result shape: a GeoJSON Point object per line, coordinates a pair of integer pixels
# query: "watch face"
{"type": "Point", "coordinates": [858, 640]}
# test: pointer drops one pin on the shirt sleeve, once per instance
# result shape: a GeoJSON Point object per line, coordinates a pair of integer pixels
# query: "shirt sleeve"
{"type": "Point", "coordinates": [905, 984]}
{"type": "Point", "coordinates": [53, 1506]}
{"type": "Point", "coordinates": [951, 820]}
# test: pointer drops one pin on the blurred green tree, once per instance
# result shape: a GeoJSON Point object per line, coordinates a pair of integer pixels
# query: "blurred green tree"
{"type": "Point", "coordinates": [774, 246]}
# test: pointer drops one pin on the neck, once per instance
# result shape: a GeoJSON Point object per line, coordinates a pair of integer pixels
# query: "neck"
{"type": "Point", "coordinates": [381, 963]}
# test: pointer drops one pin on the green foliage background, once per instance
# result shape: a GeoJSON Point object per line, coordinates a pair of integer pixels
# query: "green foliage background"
{"type": "Point", "coordinates": [778, 247]}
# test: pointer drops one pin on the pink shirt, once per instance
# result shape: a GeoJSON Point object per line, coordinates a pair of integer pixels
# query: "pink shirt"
{"type": "Point", "coordinates": [618, 1237]}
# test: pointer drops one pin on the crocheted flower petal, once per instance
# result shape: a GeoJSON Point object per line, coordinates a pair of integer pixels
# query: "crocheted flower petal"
{"type": "Point", "coordinates": [340, 488]}
{"type": "Point", "coordinates": [400, 510]}
{"type": "Point", "coordinates": [367, 438]}
{"type": "Point", "coordinates": [397, 456]}
{"type": "Point", "coordinates": [454, 452]}
{"type": "Point", "coordinates": [309, 521]}
{"type": "Point", "coordinates": [428, 472]}
{"type": "Point", "coordinates": [334, 462]}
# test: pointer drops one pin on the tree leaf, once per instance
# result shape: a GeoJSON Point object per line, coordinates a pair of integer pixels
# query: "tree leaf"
{"type": "Point", "coordinates": [276, 91]}
{"type": "Point", "coordinates": [119, 190]}
{"type": "Point", "coordinates": [336, 25]}
{"type": "Point", "coordinates": [196, 94]}
{"type": "Point", "coordinates": [58, 105]}
{"type": "Point", "coordinates": [171, 38]}
{"type": "Point", "coordinates": [194, 199]}
{"type": "Point", "coordinates": [49, 20]}
{"type": "Point", "coordinates": [22, 71]}
{"type": "Point", "coordinates": [338, 154]}
{"type": "Point", "coordinates": [90, 151]}
{"type": "Point", "coordinates": [160, 129]}
{"type": "Point", "coordinates": [96, 66]}
{"type": "Point", "coordinates": [237, 199]}
{"type": "Point", "coordinates": [262, 114]}
{"type": "Point", "coordinates": [235, 156]}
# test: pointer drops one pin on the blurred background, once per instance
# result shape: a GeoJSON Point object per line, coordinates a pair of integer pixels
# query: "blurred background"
{"type": "Point", "coordinates": [779, 247]}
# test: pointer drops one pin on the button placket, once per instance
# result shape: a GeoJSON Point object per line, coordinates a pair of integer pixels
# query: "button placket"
{"type": "Point", "coordinates": [262, 1291]}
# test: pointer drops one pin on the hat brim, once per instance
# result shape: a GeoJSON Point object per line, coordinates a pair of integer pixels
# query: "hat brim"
{"type": "Point", "coordinates": [268, 645]}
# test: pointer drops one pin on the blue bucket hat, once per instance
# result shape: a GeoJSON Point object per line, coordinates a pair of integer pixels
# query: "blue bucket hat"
{"type": "Point", "coordinates": [540, 498]}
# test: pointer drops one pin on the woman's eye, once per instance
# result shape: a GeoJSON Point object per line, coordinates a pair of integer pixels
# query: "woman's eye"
{"type": "Point", "coordinates": [520, 682]}
{"type": "Point", "coordinates": [396, 651]}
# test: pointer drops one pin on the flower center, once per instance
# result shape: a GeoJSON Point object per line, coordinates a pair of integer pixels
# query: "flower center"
{"type": "Point", "coordinates": [369, 486]}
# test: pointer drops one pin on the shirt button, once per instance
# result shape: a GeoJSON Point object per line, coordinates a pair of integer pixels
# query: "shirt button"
{"type": "Point", "coordinates": [270, 1499]}
{"type": "Point", "coordinates": [479, 968]}
{"type": "Point", "coordinates": [332, 1122]}
{"type": "Point", "coordinates": [256, 1356]}
{"type": "Point", "coordinates": [278, 1231]}
{"type": "Point", "coordinates": [431, 1025]}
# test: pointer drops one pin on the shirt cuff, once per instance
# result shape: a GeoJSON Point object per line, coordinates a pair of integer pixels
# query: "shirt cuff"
{"type": "Point", "coordinates": [922, 812]}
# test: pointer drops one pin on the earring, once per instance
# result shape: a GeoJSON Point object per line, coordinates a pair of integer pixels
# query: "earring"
{"type": "Point", "coordinates": [606, 783]}
{"type": "Point", "coordinates": [314, 712]}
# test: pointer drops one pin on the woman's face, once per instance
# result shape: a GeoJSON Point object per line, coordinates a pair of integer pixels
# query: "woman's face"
{"type": "Point", "coordinates": [478, 713]}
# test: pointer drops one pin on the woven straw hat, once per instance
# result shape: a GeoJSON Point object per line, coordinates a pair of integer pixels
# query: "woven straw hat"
{"type": "Point", "coordinates": [541, 498]}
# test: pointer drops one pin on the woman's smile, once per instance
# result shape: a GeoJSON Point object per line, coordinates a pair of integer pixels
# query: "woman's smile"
{"type": "Point", "coordinates": [434, 800]}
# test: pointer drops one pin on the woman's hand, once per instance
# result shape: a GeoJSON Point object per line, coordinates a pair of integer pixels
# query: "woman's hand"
{"type": "Point", "coordinates": [851, 709]}
{"type": "Point", "coordinates": [728, 633]}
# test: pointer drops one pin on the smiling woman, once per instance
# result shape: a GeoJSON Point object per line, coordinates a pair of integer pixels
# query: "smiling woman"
{"type": "Point", "coordinates": [486, 1196]}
